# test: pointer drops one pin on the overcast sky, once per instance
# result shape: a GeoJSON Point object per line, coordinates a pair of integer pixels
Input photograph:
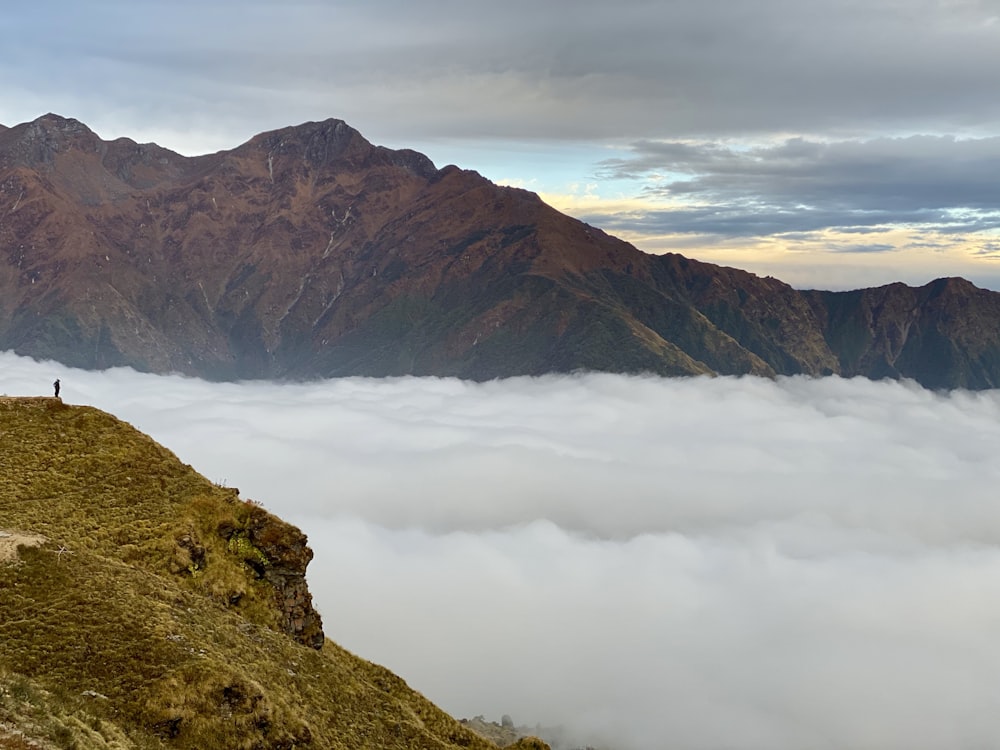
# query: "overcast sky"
{"type": "Point", "coordinates": [832, 143]}
{"type": "Point", "coordinates": [682, 563]}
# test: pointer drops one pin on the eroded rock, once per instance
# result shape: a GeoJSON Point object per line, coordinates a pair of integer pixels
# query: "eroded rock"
{"type": "Point", "coordinates": [279, 553]}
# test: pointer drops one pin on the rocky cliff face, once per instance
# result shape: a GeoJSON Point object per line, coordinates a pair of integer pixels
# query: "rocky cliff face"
{"type": "Point", "coordinates": [945, 334]}
{"type": "Point", "coordinates": [278, 553]}
{"type": "Point", "coordinates": [309, 252]}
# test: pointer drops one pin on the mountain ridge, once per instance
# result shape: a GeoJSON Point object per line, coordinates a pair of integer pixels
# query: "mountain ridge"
{"type": "Point", "coordinates": [147, 608]}
{"type": "Point", "coordinates": [308, 252]}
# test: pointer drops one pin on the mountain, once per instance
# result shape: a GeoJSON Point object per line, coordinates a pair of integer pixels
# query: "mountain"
{"type": "Point", "coordinates": [141, 606]}
{"type": "Point", "coordinates": [309, 252]}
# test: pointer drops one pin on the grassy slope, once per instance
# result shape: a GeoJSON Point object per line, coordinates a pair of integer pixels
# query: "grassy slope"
{"type": "Point", "coordinates": [121, 640]}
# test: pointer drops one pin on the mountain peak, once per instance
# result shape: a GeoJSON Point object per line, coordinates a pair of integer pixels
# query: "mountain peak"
{"type": "Point", "coordinates": [318, 143]}
{"type": "Point", "coordinates": [37, 142]}
{"type": "Point", "coordinates": [59, 121]}
{"type": "Point", "coordinates": [953, 284]}
{"type": "Point", "coordinates": [53, 126]}
{"type": "Point", "coordinates": [309, 252]}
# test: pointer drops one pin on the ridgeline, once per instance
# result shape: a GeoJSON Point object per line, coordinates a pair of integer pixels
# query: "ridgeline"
{"type": "Point", "coordinates": [141, 606]}
{"type": "Point", "coordinates": [308, 252]}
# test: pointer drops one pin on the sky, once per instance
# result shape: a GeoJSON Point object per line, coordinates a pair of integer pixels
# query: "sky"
{"type": "Point", "coordinates": [686, 563]}
{"type": "Point", "coordinates": [831, 143]}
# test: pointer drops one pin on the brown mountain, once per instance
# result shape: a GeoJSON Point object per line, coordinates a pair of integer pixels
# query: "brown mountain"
{"type": "Point", "coordinates": [310, 252]}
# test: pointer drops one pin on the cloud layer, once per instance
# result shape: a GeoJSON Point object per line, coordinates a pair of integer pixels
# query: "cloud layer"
{"type": "Point", "coordinates": [800, 185]}
{"type": "Point", "coordinates": [551, 70]}
{"type": "Point", "coordinates": [689, 563]}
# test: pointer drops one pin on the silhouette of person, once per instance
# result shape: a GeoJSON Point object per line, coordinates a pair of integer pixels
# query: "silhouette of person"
{"type": "Point", "coordinates": [56, 386]}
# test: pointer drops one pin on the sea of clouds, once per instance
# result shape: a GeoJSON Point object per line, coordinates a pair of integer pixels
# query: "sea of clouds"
{"type": "Point", "coordinates": [685, 563]}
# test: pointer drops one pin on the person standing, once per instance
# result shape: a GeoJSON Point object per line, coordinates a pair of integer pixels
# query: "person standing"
{"type": "Point", "coordinates": [56, 386]}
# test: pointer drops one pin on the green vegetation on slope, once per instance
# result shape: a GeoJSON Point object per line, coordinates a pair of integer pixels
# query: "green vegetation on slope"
{"type": "Point", "coordinates": [149, 617]}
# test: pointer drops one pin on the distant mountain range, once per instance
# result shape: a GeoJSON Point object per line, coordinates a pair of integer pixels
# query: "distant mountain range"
{"type": "Point", "coordinates": [308, 252]}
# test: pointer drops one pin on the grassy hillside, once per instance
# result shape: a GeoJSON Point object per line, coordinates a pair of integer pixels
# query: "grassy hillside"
{"type": "Point", "coordinates": [143, 611]}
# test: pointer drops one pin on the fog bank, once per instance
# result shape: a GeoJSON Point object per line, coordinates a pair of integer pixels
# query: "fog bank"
{"type": "Point", "coordinates": [691, 563]}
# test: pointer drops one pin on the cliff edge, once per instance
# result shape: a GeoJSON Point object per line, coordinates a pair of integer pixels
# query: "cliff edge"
{"type": "Point", "coordinates": [141, 606]}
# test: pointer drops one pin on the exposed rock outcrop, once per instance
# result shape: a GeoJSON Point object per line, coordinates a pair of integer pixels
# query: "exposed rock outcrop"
{"type": "Point", "coordinates": [11, 540]}
{"type": "Point", "coordinates": [278, 553]}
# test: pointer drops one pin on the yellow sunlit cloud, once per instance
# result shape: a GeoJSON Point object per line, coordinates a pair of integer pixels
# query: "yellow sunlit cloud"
{"type": "Point", "coordinates": [828, 258]}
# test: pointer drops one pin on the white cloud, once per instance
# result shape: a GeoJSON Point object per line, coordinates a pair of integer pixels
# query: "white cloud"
{"type": "Point", "coordinates": [693, 563]}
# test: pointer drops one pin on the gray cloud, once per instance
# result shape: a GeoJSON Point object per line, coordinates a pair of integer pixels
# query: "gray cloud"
{"type": "Point", "coordinates": [942, 183]}
{"type": "Point", "coordinates": [686, 563]}
{"type": "Point", "coordinates": [871, 248]}
{"type": "Point", "coordinates": [543, 70]}
{"type": "Point", "coordinates": [910, 174]}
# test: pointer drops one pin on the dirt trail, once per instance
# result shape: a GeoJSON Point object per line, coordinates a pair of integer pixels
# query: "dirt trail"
{"type": "Point", "coordinates": [11, 540]}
